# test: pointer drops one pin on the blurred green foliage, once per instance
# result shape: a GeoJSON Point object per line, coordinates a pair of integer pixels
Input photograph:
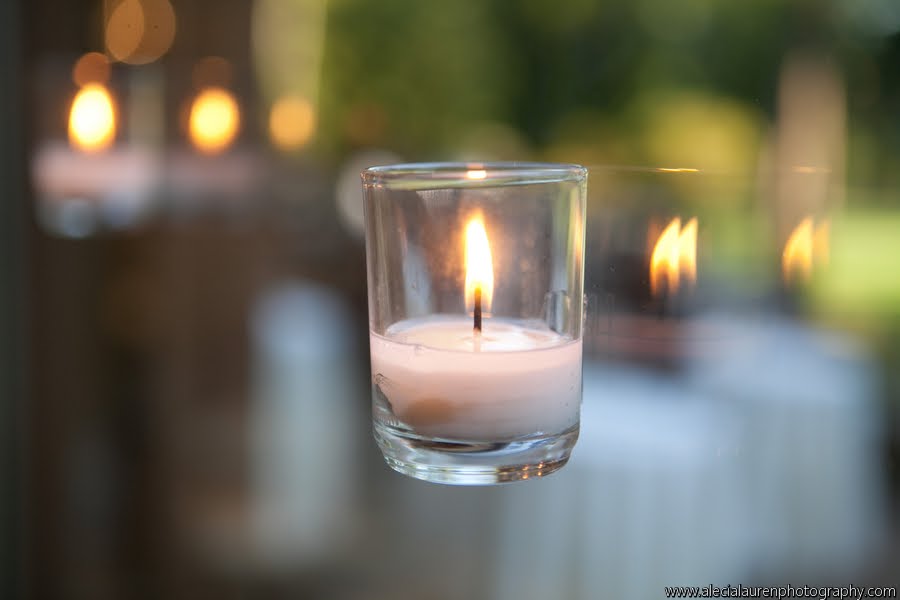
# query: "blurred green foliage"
{"type": "Point", "coordinates": [642, 82]}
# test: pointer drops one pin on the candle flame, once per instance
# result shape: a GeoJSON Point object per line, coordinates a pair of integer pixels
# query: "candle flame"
{"type": "Point", "coordinates": [476, 174]}
{"type": "Point", "coordinates": [479, 265]}
{"type": "Point", "coordinates": [92, 120]}
{"type": "Point", "coordinates": [674, 257]}
{"type": "Point", "coordinates": [806, 246]}
{"type": "Point", "coordinates": [214, 121]}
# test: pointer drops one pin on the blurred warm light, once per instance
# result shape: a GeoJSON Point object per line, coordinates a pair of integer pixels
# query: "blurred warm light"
{"type": "Point", "coordinates": [674, 257]}
{"type": "Point", "coordinates": [287, 39]}
{"type": "Point", "coordinates": [479, 265]}
{"type": "Point", "coordinates": [292, 122]}
{"type": "Point", "coordinates": [140, 31]}
{"type": "Point", "coordinates": [92, 67]}
{"type": "Point", "coordinates": [677, 170]}
{"type": "Point", "coordinates": [211, 71]}
{"type": "Point", "coordinates": [214, 120]}
{"type": "Point", "coordinates": [806, 246]}
{"type": "Point", "coordinates": [476, 174]}
{"type": "Point", "coordinates": [124, 29]}
{"type": "Point", "coordinates": [796, 261]}
{"type": "Point", "coordinates": [92, 120]}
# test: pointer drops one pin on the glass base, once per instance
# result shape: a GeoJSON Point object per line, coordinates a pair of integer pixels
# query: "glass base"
{"type": "Point", "coordinates": [474, 463]}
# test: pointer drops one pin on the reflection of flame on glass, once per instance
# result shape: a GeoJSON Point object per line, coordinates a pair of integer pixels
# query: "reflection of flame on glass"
{"type": "Point", "coordinates": [92, 120]}
{"type": "Point", "coordinates": [476, 174]}
{"type": "Point", "coordinates": [674, 257]}
{"type": "Point", "coordinates": [214, 120]}
{"type": "Point", "coordinates": [806, 246]}
{"type": "Point", "coordinates": [479, 265]}
{"type": "Point", "coordinates": [291, 122]}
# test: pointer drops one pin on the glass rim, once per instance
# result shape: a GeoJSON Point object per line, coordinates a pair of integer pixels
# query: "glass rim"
{"type": "Point", "coordinates": [436, 175]}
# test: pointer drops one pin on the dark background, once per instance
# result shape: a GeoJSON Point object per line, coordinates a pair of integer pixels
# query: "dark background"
{"type": "Point", "coordinates": [130, 372]}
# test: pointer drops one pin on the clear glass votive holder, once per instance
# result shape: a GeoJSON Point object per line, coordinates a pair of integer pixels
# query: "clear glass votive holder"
{"type": "Point", "coordinates": [476, 304]}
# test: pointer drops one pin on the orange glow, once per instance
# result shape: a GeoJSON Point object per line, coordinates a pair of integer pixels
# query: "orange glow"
{"type": "Point", "coordinates": [797, 259]}
{"type": "Point", "coordinates": [124, 29]}
{"type": "Point", "coordinates": [806, 247]}
{"type": "Point", "coordinates": [476, 174]}
{"type": "Point", "coordinates": [214, 121]}
{"type": "Point", "coordinates": [92, 67]}
{"type": "Point", "coordinates": [92, 120]}
{"type": "Point", "coordinates": [291, 122]}
{"type": "Point", "coordinates": [140, 31]}
{"type": "Point", "coordinates": [677, 170]}
{"type": "Point", "coordinates": [479, 265]}
{"type": "Point", "coordinates": [674, 257]}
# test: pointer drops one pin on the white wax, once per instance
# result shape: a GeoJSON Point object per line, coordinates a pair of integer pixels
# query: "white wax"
{"type": "Point", "coordinates": [60, 172]}
{"type": "Point", "coordinates": [520, 378]}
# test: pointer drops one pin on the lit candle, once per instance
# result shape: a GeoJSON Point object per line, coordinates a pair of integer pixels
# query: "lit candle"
{"type": "Point", "coordinates": [92, 182]}
{"type": "Point", "coordinates": [478, 377]}
{"type": "Point", "coordinates": [476, 312]}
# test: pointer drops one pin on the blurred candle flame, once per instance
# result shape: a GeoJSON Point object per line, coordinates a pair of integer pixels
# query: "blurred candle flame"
{"type": "Point", "coordinates": [92, 119]}
{"type": "Point", "coordinates": [479, 265]}
{"type": "Point", "coordinates": [214, 121]}
{"type": "Point", "coordinates": [806, 246]}
{"type": "Point", "coordinates": [674, 257]}
{"type": "Point", "coordinates": [476, 174]}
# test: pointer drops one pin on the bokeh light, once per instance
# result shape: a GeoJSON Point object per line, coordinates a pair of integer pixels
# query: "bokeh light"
{"type": "Point", "coordinates": [92, 67]}
{"type": "Point", "coordinates": [806, 248]}
{"type": "Point", "coordinates": [92, 120]}
{"type": "Point", "coordinates": [140, 31]}
{"type": "Point", "coordinates": [124, 29]}
{"type": "Point", "coordinates": [287, 39]}
{"type": "Point", "coordinates": [292, 122]}
{"type": "Point", "coordinates": [214, 120]}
